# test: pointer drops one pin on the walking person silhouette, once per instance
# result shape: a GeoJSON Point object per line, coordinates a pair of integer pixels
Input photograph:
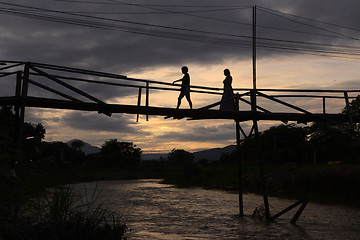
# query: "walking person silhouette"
{"type": "Point", "coordinates": [185, 87]}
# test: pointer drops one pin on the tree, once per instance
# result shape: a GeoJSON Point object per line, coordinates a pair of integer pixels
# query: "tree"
{"type": "Point", "coordinates": [32, 136]}
{"type": "Point", "coordinates": [334, 141]}
{"type": "Point", "coordinates": [120, 153]}
{"type": "Point", "coordinates": [181, 157]}
{"type": "Point", "coordinates": [284, 143]}
{"type": "Point", "coordinates": [183, 170]}
{"type": "Point", "coordinates": [77, 144]}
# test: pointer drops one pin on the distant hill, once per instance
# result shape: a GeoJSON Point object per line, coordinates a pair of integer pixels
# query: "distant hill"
{"type": "Point", "coordinates": [214, 153]}
{"type": "Point", "coordinates": [153, 156]}
{"type": "Point", "coordinates": [210, 154]}
{"type": "Point", "coordinates": [86, 148]}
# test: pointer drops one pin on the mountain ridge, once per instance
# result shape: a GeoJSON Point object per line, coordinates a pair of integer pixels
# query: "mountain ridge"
{"type": "Point", "coordinates": [211, 154]}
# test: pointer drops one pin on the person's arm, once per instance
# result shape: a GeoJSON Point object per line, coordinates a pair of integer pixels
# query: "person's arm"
{"type": "Point", "coordinates": [177, 81]}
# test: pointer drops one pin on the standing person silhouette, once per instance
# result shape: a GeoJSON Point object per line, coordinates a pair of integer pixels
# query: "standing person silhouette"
{"type": "Point", "coordinates": [185, 87]}
{"type": "Point", "coordinates": [228, 94]}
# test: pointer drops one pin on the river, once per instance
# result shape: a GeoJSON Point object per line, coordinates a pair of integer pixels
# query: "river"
{"type": "Point", "coordinates": [159, 211]}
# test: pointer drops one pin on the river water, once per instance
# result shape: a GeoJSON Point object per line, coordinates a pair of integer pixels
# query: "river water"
{"type": "Point", "coordinates": [158, 211]}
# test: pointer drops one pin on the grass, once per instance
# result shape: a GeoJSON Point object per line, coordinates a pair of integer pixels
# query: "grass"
{"type": "Point", "coordinates": [63, 214]}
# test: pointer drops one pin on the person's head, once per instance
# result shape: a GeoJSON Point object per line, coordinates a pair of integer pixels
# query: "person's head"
{"type": "Point", "coordinates": [184, 69]}
{"type": "Point", "coordinates": [227, 72]}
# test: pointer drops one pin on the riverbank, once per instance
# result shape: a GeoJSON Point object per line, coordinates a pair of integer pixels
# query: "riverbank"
{"type": "Point", "coordinates": [327, 184]}
{"type": "Point", "coordinates": [321, 183]}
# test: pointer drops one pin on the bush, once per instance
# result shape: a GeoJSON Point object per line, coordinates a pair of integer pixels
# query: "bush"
{"type": "Point", "coordinates": [61, 214]}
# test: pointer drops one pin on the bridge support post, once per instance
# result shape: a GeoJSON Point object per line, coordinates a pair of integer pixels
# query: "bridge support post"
{"type": "Point", "coordinates": [22, 105]}
{"type": "Point", "coordinates": [260, 159]}
{"type": "Point", "coordinates": [138, 103]}
{"type": "Point", "coordinates": [147, 100]}
{"type": "Point", "coordinates": [348, 108]}
{"type": "Point", "coordinates": [241, 203]}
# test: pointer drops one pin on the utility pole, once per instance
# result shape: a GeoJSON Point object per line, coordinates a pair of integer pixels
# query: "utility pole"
{"type": "Point", "coordinates": [255, 121]}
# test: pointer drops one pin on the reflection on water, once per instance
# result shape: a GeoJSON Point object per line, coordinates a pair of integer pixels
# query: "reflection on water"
{"type": "Point", "coordinates": [158, 211]}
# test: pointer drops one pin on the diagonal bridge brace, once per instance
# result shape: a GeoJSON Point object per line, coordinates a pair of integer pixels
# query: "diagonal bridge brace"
{"type": "Point", "coordinates": [303, 203]}
{"type": "Point", "coordinates": [103, 104]}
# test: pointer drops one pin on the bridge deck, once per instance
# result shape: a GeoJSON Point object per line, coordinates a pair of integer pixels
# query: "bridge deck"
{"type": "Point", "coordinates": [177, 113]}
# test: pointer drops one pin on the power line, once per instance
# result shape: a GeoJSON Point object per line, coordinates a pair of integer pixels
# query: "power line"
{"type": "Point", "coordinates": [305, 24]}
{"type": "Point", "coordinates": [127, 22]}
{"type": "Point", "coordinates": [156, 5]}
{"type": "Point", "coordinates": [310, 48]}
{"type": "Point", "coordinates": [314, 20]}
{"type": "Point", "coordinates": [178, 12]}
{"type": "Point", "coordinates": [143, 13]}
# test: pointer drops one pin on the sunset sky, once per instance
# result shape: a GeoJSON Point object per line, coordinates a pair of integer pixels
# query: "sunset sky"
{"type": "Point", "coordinates": [302, 44]}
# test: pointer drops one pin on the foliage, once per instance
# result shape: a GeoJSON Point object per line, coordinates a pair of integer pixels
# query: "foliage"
{"type": "Point", "coordinates": [182, 168]}
{"type": "Point", "coordinates": [181, 157]}
{"type": "Point", "coordinates": [62, 214]}
{"type": "Point", "coordinates": [60, 152]}
{"type": "Point", "coordinates": [77, 144]}
{"type": "Point", "coordinates": [32, 136]}
{"type": "Point", "coordinates": [117, 153]}
{"type": "Point", "coordinates": [284, 143]}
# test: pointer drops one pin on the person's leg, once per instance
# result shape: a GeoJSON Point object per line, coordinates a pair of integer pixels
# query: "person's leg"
{"type": "Point", "coordinates": [189, 100]}
{"type": "Point", "coordinates": [179, 99]}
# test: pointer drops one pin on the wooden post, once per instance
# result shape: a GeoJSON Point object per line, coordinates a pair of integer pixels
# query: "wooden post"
{"type": "Point", "coordinates": [241, 207]}
{"type": "Point", "coordinates": [324, 110]}
{"type": "Point", "coordinates": [299, 211]}
{"type": "Point", "coordinates": [261, 163]}
{"type": "Point", "coordinates": [24, 92]}
{"type": "Point", "coordinates": [20, 131]}
{"type": "Point", "coordinates": [238, 129]}
{"type": "Point", "coordinates": [138, 103]}
{"type": "Point", "coordinates": [348, 108]}
{"type": "Point", "coordinates": [255, 124]}
{"type": "Point", "coordinates": [17, 105]}
{"type": "Point", "coordinates": [147, 99]}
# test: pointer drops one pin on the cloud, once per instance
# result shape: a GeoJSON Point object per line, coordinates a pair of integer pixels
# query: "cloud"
{"type": "Point", "coordinates": [104, 49]}
{"type": "Point", "coordinates": [202, 134]}
{"type": "Point", "coordinates": [99, 122]}
{"type": "Point", "coordinates": [158, 53]}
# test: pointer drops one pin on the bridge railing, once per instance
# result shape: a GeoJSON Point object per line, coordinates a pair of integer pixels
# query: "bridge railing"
{"type": "Point", "coordinates": [29, 73]}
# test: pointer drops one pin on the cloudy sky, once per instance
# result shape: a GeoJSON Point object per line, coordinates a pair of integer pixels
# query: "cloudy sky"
{"type": "Point", "coordinates": [302, 44]}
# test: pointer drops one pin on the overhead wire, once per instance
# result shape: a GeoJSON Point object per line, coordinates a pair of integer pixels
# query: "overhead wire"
{"type": "Point", "coordinates": [313, 20]}
{"type": "Point", "coordinates": [178, 12]}
{"type": "Point", "coordinates": [296, 46]}
{"type": "Point", "coordinates": [126, 21]}
{"type": "Point", "coordinates": [107, 26]}
{"type": "Point", "coordinates": [305, 24]}
{"type": "Point", "coordinates": [155, 5]}
{"type": "Point", "coordinates": [228, 8]}
{"type": "Point", "coordinates": [142, 13]}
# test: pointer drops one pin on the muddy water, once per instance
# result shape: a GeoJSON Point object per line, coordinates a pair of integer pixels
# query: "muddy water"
{"type": "Point", "coordinates": [158, 211]}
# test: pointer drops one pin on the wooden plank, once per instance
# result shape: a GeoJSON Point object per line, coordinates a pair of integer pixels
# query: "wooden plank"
{"type": "Point", "coordinates": [180, 113]}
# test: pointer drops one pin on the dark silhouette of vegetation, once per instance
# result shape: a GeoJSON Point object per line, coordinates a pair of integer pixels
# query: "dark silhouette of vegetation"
{"type": "Point", "coordinates": [26, 175]}
{"type": "Point", "coordinates": [182, 167]}
{"type": "Point", "coordinates": [77, 144]}
{"type": "Point", "coordinates": [61, 153]}
{"type": "Point", "coordinates": [62, 214]}
{"type": "Point", "coordinates": [319, 161]}
{"type": "Point", "coordinates": [119, 154]}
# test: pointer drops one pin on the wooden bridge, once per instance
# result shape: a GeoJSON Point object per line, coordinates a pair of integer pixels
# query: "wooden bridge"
{"type": "Point", "coordinates": [27, 73]}
{"type": "Point", "coordinates": [60, 90]}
